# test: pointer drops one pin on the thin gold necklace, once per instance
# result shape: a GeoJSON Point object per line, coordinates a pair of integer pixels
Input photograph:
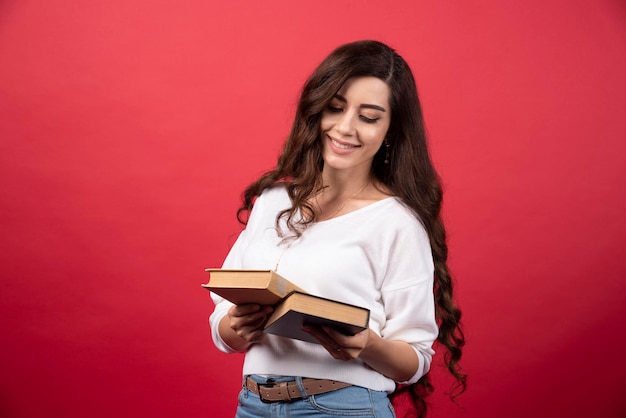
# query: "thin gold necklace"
{"type": "Point", "coordinates": [352, 196]}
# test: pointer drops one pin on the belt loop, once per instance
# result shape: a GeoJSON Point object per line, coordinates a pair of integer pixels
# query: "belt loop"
{"type": "Point", "coordinates": [244, 386]}
{"type": "Point", "coordinates": [301, 387]}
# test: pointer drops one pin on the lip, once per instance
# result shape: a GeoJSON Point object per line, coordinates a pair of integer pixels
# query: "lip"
{"type": "Point", "coordinates": [341, 147]}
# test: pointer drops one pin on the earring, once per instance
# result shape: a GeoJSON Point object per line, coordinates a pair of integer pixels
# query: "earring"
{"type": "Point", "coordinates": [387, 145]}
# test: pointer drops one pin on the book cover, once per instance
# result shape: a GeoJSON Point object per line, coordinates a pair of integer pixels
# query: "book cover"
{"type": "Point", "coordinates": [299, 309]}
{"type": "Point", "coordinates": [265, 287]}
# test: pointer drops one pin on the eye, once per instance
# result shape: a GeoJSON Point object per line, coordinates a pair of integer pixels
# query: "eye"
{"type": "Point", "coordinates": [368, 120]}
{"type": "Point", "coordinates": [334, 109]}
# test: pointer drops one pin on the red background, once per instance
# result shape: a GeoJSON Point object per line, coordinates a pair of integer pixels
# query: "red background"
{"type": "Point", "coordinates": [129, 128]}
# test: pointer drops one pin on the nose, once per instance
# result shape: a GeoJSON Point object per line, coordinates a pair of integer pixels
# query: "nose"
{"type": "Point", "coordinates": [345, 123]}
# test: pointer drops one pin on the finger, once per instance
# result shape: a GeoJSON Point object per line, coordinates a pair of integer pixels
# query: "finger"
{"type": "Point", "coordinates": [338, 353]}
{"type": "Point", "coordinates": [243, 310]}
{"type": "Point", "coordinates": [253, 338]}
{"type": "Point", "coordinates": [340, 337]}
{"type": "Point", "coordinates": [332, 346]}
{"type": "Point", "coordinates": [252, 321]}
{"type": "Point", "coordinates": [334, 334]}
{"type": "Point", "coordinates": [250, 334]}
{"type": "Point", "coordinates": [322, 337]}
{"type": "Point", "coordinates": [258, 322]}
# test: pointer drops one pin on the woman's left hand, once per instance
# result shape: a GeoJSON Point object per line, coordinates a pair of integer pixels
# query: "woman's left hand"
{"type": "Point", "coordinates": [340, 346]}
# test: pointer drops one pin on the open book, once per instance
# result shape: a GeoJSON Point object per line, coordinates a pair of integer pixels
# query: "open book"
{"type": "Point", "coordinates": [299, 309]}
{"type": "Point", "coordinates": [293, 306]}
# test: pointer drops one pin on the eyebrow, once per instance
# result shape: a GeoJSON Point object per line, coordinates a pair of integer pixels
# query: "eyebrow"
{"type": "Point", "coordinates": [365, 105]}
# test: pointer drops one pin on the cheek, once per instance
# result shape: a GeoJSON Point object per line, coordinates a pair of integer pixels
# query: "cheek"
{"type": "Point", "coordinates": [326, 123]}
{"type": "Point", "coordinates": [376, 136]}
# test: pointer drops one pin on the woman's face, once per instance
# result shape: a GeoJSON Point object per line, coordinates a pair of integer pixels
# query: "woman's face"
{"type": "Point", "coordinates": [355, 123]}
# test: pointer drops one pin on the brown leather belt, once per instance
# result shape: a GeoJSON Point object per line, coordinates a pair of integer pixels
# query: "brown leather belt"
{"type": "Point", "coordinates": [289, 391]}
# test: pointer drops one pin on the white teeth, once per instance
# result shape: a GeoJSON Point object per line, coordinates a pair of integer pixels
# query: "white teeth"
{"type": "Point", "coordinates": [342, 146]}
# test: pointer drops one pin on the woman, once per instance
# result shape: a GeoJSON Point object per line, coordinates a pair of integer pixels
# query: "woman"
{"type": "Point", "coordinates": [351, 212]}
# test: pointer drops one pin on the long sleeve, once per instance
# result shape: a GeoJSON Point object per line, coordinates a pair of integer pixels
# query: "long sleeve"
{"type": "Point", "coordinates": [233, 261]}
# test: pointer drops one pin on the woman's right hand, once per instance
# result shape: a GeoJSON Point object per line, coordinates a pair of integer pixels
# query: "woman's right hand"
{"type": "Point", "coordinates": [247, 322]}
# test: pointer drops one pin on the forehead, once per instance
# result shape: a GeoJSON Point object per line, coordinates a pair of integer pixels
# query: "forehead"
{"type": "Point", "coordinates": [369, 90]}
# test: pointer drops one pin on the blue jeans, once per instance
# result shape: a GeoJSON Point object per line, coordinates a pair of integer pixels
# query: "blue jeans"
{"type": "Point", "coordinates": [352, 401]}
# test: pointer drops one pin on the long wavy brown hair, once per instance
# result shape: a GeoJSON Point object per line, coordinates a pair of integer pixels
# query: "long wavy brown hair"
{"type": "Point", "coordinates": [409, 175]}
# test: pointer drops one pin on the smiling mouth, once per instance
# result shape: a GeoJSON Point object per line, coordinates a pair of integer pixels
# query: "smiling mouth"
{"type": "Point", "coordinates": [341, 145]}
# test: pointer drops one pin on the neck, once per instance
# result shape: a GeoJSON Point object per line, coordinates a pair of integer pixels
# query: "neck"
{"type": "Point", "coordinates": [347, 190]}
{"type": "Point", "coordinates": [332, 201]}
{"type": "Point", "coordinates": [338, 184]}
